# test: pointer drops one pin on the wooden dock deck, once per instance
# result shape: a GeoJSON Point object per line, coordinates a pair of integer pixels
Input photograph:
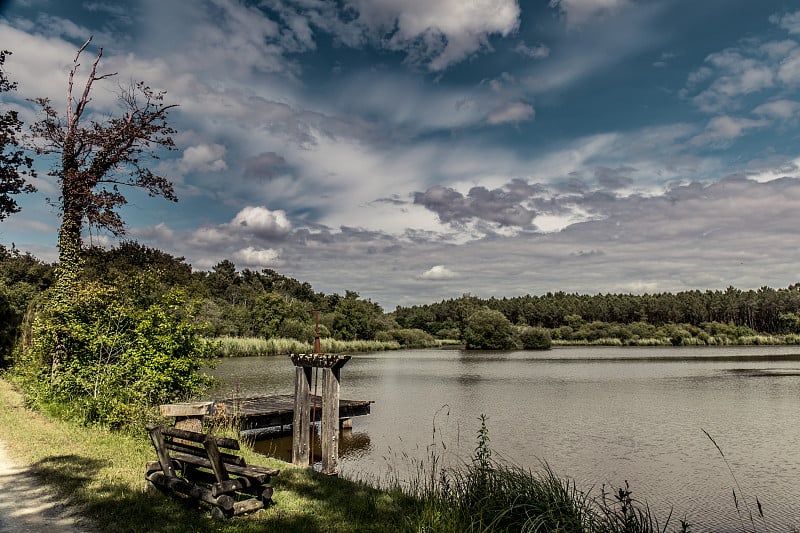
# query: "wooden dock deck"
{"type": "Point", "coordinates": [266, 412]}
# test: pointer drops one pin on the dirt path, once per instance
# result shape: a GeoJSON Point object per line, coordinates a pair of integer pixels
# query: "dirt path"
{"type": "Point", "coordinates": [28, 507]}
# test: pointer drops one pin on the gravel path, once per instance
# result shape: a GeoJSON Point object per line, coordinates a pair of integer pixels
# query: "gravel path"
{"type": "Point", "coordinates": [28, 507]}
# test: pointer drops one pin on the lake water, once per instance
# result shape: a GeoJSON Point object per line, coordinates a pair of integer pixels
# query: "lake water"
{"type": "Point", "coordinates": [597, 415]}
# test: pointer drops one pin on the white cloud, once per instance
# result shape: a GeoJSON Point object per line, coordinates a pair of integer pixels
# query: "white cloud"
{"type": "Point", "coordinates": [726, 128]}
{"type": "Point", "coordinates": [789, 71]}
{"type": "Point", "coordinates": [254, 257]}
{"type": "Point", "coordinates": [512, 112]}
{"type": "Point", "coordinates": [539, 51]}
{"type": "Point", "coordinates": [789, 22]}
{"type": "Point", "coordinates": [439, 33]}
{"type": "Point", "coordinates": [204, 158]}
{"type": "Point", "coordinates": [438, 273]}
{"type": "Point", "coordinates": [580, 12]}
{"type": "Point", "coordinates": [262, 222]}
{"type": "Point", "coordinates": [778, 109]}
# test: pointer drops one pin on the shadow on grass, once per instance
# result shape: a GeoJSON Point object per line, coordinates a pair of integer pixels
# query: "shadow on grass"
{"type": "Point", "coordinates": [304, 501]}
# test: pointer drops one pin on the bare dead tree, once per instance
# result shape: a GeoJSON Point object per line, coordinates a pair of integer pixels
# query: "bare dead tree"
{"type": "Point", "coordinates": [99, 157]}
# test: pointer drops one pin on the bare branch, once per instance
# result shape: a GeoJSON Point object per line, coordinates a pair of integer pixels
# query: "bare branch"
{"type": "Point", "coordinates": [72, 72]}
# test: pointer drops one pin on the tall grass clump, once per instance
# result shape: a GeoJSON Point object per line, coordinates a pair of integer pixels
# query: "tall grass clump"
{"type": "Point", "coordinates": [485, 494]}
{"type": "Point", "coordinates": [256, 346]}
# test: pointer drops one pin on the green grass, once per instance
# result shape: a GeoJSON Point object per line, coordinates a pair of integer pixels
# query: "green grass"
{"type": "Point", "coordinates": [254, 346]}
{"type": "Point", "coordinates": [102, 474]}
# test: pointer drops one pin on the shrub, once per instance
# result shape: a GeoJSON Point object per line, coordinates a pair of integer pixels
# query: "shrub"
{"type": "Point", "coordinates": [533, 338]}
{"type": "Point", "coordinates": [488, 329]}
{"type": "Point", "coordinates": [410, 337]}
{"type": "Point", "coordinates": [104, 357]}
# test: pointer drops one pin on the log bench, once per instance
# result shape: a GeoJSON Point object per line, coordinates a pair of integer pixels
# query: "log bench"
{"type": "Point", "coordinates": [192, 465]}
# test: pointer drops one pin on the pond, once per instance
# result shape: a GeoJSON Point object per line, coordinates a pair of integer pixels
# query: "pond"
{"type": "Point", "coordinates": [597, 415]}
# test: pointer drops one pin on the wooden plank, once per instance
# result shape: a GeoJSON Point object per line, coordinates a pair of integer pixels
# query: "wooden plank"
{"type": "Point", "coordinates": [216, 461]}
{"type": "Point", "coordinates": [258, 474]}
{"type": "Point", "coordinates": [181, 486]}
{"type": "Point", "coordinates": [301, 424]}
{"type": "Point", "coordinates": [186, 409]}
{"type": "Point", "coordinates": [194, 436]}
{"type": "Point", "coordinates": [161, 449]}
{"type": "Point", "coordinates": [227, 458]}
{"type": "Point", "coordinates": [330, 420]}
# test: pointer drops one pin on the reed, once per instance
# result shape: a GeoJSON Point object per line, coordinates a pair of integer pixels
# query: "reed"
{"type": "Point", "coordinates": [254, 346]}
{"type": "Point", "coordinates": [485, 494]}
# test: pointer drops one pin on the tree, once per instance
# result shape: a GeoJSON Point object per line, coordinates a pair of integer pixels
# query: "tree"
{"type": "Point", "coordinates": [97, 158]}
{"type": "Point", "coordinates": [14, 165]}
{"type": "Point", "coordinates": [488, 329]}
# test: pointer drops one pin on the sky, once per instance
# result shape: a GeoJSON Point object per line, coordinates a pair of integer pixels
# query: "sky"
{"type": "Point", "coordinates": [418, 150]}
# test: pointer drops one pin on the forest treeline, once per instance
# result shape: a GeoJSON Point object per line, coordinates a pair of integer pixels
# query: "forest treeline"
{"type": "Point", "coordinates": [266, 304]}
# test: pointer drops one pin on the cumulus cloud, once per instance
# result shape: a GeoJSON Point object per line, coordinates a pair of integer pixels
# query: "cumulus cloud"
{"type": "Point", "coordinates": [254, 257]}
{"type": "Point", "coordinates": [580, 12]}
{"type": "Point", "coordinates": [512, 112]}
{"type": "Point", "coordinates": [204, 158]}
{"type": "Point", "coordinates": [265, 165]}
{"type": "Point", "coordinates": [262, 222]}
{"type": "Point", "coordinates": [502, 206]}
{"type": "Point", "coordinates": [438, 273]}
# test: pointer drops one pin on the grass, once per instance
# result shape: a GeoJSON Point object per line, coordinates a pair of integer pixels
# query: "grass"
{"type": "Point", "coordinates": [255, 346]}
{"type": "Point", "coordinates": [102, 474]}
{"type": "Point", "coordinates": [486, 495]}
{"type": "Point", "coordinates": [710, 340]}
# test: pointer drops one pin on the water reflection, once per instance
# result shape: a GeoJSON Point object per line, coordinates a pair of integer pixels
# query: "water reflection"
{"type": "Point", "coordinates": [352, 444]}
{"type": "Point", "coordinates": [599, 415]}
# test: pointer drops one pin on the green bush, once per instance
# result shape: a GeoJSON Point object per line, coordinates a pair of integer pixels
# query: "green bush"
{"type": "Point", "coordinates": [532, 338]}
{"type": "Point", "coordinates": [409, 337]}
{"type": "Point", "coordinates": [488, 329]}
{"type": "Point", "coordinates": [104, 357]}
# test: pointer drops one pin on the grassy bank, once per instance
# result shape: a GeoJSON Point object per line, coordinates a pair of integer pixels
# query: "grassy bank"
{"type": "Point", "coordinates": [254, 346]}
{"type": "Point", "coordinates": [708, 340]}
{"type": "Point", "coordinates": [102, 474]}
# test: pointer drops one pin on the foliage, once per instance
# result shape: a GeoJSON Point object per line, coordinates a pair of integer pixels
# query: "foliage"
{"type": "Point", "coordinates": [108, 357]}
{"type": "Point", "coordinates": [487, 494]}
{"type": "Point", "coordinates": [487, 329]}
{"type": "Point", "coordinates": [532, 338]}
{"type": "Point", "coordinates": [408, 338]}
{"type": "Point", "coordinates": [99, 473]}
{"type": "Point", "coordinates": [14, 164]}
{"type": "Point", "coordinates": [764, 310]}
{"type": "Point", "coordinates": [256, 346]}
{"type": "Point", "coordinates": [22, 279]}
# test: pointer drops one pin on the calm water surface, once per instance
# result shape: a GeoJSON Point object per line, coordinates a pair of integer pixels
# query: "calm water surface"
{"type": "Point", "coordinates": [598, 415]}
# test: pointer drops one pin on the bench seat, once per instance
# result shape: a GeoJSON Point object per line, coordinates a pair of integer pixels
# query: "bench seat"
{"type": "Point", "coordinates": [192, 465]}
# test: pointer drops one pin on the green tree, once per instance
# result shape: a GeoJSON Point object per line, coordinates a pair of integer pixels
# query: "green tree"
{"type": "Point", "coordinates": [488, 329]}
{"type": "Point", "coordinates": [14, 164]}
{"type": "Point", "coordinates": [124, 356]}
{"type": "Point", "coordinates": [533, 338]}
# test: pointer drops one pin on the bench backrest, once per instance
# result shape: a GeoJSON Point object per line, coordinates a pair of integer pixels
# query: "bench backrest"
{"type": "Point", "coordinates": [182, 441]}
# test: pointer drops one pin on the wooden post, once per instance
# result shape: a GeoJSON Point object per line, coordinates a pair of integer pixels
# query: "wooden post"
{"type": "Point", "coordinates": [301, 421]}
{"type": "Point", "coordinates": [331, 365]}
{"type": "Point", "coordinates": [330, 420]}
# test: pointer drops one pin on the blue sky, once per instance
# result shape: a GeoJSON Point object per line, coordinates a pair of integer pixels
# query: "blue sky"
{"type": "Point", "coordinates": [415, 150]}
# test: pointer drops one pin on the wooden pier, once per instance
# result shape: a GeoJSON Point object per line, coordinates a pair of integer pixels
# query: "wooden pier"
{"type": "Point", "coordinates": [267, 412]}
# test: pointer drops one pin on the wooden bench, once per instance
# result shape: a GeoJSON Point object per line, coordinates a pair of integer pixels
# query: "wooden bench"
{"type": "Point", "coordinates": [192, 465]}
